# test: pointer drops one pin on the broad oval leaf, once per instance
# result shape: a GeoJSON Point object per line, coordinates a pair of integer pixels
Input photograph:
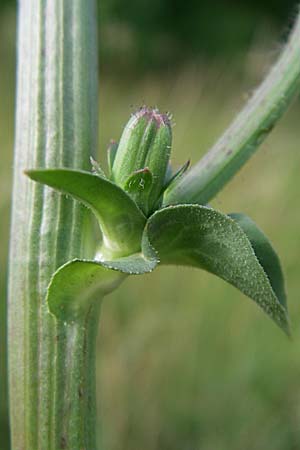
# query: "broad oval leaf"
{"type": "Point", "coordinates": [265, 254]}
{"type": "Point", "coordinates": [78, 283]}
{"type": "Point", "coordinates": [198, 236]}
{"type": "Point", "coordinates": [120, 219]}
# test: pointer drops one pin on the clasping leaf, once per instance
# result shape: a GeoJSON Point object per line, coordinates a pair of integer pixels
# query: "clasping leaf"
{"type": "Point", "coordinates": [120, 219]}
{"type": "Point", "coordinates": [79, 283]}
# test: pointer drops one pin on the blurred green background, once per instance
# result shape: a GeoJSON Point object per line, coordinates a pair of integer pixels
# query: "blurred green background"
{"type": "Point", "coordinates": [185, 361]}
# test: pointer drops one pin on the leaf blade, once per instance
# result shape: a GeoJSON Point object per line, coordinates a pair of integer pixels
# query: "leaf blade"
{"type": "Point", "coordinates": [175, 177]}
{"type": "Point", "coordinates": [75, 285]}
{"type": "Point", "coordinates": [198, 236]}
{"type": "Point", "coordinates": [111, 154]}
{"type": "Point", "coordinates": [78, 283]}
{"type": "Point", "coordinates": [120, 219]}
{"type": "Point", "coordinates": [265, 254]}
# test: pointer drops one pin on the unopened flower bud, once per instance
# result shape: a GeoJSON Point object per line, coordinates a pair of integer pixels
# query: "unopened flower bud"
{"type": "Point", "coordinates": [142, 157]}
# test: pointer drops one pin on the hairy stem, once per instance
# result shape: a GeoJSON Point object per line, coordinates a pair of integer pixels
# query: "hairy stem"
{"type": "Point", "coordinates": [247, 131]}
{"type": "Point", "coordinates": [56, 125]}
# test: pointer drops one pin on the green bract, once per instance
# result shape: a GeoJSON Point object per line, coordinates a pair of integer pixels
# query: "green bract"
{"type": "Point", "coordinates": [138, 233]}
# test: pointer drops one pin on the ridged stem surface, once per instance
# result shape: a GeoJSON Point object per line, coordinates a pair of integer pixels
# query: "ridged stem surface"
{"type": "Point", "coordinates": [56, 125]}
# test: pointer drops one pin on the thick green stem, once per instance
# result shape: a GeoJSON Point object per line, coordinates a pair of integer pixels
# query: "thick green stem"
{"type": "Point", "coordinates": [247, 131]}
{"type": "Point", "coordinates": [74, 383]}
{"type": "Point", "coordinates": [56, 125]}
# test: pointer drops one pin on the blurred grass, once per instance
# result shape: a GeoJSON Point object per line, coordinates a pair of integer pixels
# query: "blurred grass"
{"type": "Point", "coordinates": [185, 361]}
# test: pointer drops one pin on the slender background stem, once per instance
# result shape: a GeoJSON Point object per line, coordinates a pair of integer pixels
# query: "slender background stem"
{"type": "Point", "coordinates": [247, 131]}
{"type": "Point", "coordinates": [56, 125]}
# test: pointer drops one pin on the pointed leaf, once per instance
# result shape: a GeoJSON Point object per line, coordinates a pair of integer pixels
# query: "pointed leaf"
{"type": "Point", "coordinates": [170, 179]}
{"type": "Point", "coordinates": [178, 174]}
{"type": "Point", "coordinates": [265, 254]}
{"type": "Point", "coordinates": [96, 168]}
{"type": "Point", "coordinates": [111, 154]}
{"type": "Point", "coordinates": [169, 174]}
{"type": "Point", "coordinates": [78, 283]}
{"type": "Point", "coordinates": [198, 236]}
{"type": "Point", "coordinates": [120, 219]}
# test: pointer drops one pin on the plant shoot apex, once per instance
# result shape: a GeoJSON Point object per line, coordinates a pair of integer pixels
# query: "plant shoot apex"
{"type": "Point", "coordinates": [144, 152]}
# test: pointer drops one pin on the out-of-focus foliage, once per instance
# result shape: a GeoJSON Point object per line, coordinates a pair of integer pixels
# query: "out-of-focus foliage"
{"type": "Point", "coordinates": [163, 33]}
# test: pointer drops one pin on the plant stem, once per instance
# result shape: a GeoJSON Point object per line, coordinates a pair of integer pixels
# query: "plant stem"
{"type": "Point", "coordinates": [247, 131]}
{"type": "Point", "coordinates": [56, 125]}
{"type": "Point", "coordinates": [74, 385]}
